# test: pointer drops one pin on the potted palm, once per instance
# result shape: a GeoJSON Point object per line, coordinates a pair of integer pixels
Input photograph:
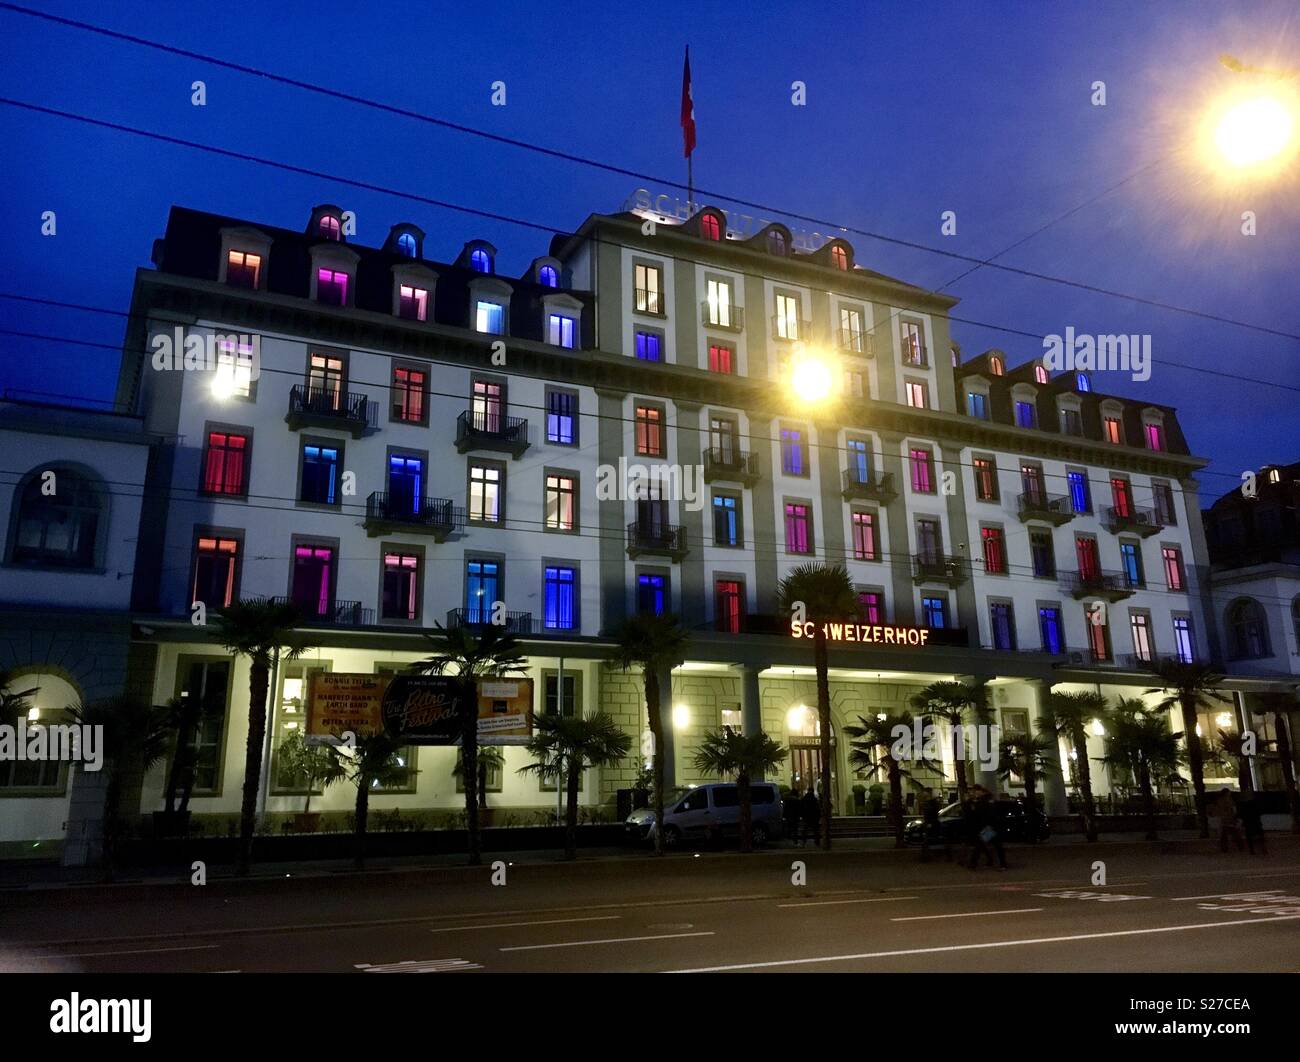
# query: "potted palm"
{"type": "Point", "coordinates": [316, 767]}
{"type": "Point", "coordinates": [1191, 688]}
{"type": "Point", "coordinates": [490, 758]}
{"type": "Point", "coordinates": [872, 752]}
{"type": "Point", "coordinates": [1069, 716]}
{"type": "Point", "coordinates": [1141, 742]}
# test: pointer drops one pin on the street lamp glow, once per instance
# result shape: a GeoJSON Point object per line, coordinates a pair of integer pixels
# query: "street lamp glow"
{"type": "Point", "coordinates": [811, 378]}
{"type": "Point", "coordinates": [681, 716]}
{"type": "Point", "coordinates": [1254, 131]}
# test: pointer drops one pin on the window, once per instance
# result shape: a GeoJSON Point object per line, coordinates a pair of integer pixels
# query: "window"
{"type": "Point", "coordinates": [726, 520]}
{"type": "Point", "coordinates": [649, 346]}
{"type": "Point", "coordinates": [1163, 495]}
{"type": "Point", "coordinates": [480, 261]}
{"type": "Point", "coordinates": [787, 317]}
{"type": "Point", "coordinates": [487, 406]}
{"type": "Point", "coordinates": [313, 580]}
{"type": "Point", "coordinates": [243, 270]}
{"type": "Point", "coordinates": [722, 358]}
{"type": "Point", "coordinates": [922, 465]}
{"type": "Point", "coordinates": [776, 242]}
{"type": "Point", "coordinates": [320, 474]}
{"type": "Point", "coordinates": [1032, 483]}
{"type": "Point", "coordinates": [548, 277]}
{"type": "Point", "coordinates": [1130, 558]}
{"type": "Point", "coordinates": [839, 257]}
{"type": "Point", "coordinates": [851, 335]}
{"type": "Point", "coordinates": [406, 245]}
{"type": "Point", "coordinates": [489, 317]}
{"type": "Point", "coordinates": [865, 546]}
{"type": "Point", "coordinates": [1172, 558]}
{"type": "Point", "coordinates": [401, 594]}
{"type": "Point", "coordinates": [1140, 626]}
{"type": "Point", "coordinates": [1025, 417]}
{"type": "Point", "coordinates": [1040, 374]}
{"type": "Point", "coordinates": [1085, 550]}
{"type": "Point", "coordinates": [561, 502]}
{"type": "Point", "coordinates": [225, 464]}
{"type": "Point", "coordinates": [1247, 630]}
{"type": "Point", "coordinates": [986, 478]}
{"type": "Point", "coordinates": [913, 338]}
{"type": "Point", "coordinates": [216, 559]}
{"type": "Point", "coordinates": [977, 404]}
{"type": "Point", "coordinates": [859, 455]}
{"type": "Point", "coordinates": [1080, 494]}
{"type": "Point", "coordinates": [798, 530]}
{"type": "Point", "coordinates": [485, 494]}
{"type": "Point", "coordinates": [560, 599]}
{"type": "Point", "coordinates": [332, 287]}
{"type": "Point", "coordinates": [405, 485]}
{"type": "Point", "coordinates": [853, 383]}
{"type": "Point", "coordinates": [205, 683]}
{"type": "Point", "coordinates": [561, 330]}
{"type": "Point", "coordinates": [1098, 633]}
{"type": "Point", "coordinates": [918, 394]}
{"type": "Point", "coordinates": [1113, 430]}
{"type": "Point", "coordinates": [996, 366]}
{"type": "Point", "coordinates": [325, 383]}
{"type": "Point", "coordinates": [234, 375]}
{"type": "Point", "coordinates": [872, 604]}
{"type": "Point", "coordinates": [1082, 382]}
{"type": "Point", "coordinates": [728, 605]}
{"type": "Point", "coordinates": [1041, 553]}
{"type": "Point", "coordinates": [718, 303]}
{"type": "Point", "coordinates": [329, 227]}
{"type": "Point", "coordinates": [1155, 436]}
{"type": "Point", "coordinates": [794, 453]}
{"type": "Point", "coordinates": [561, 696]}
{"type": "Point", "coordinates": [562, 418]}
{"type": "Point", "coordinates": [412, 302]}
{"type": "Point", "coordinates": [929, 540]}
{"type": "Point", "coordinates": [1184, 646]}
{"type": "Point", "coordinates": [649, 285]}
{"type": "Point", "coordinates": [408, 395]}
{"type": "Point", "coordinates": [934, 612]}
{"type": "Point", "coordinates": [482, 589]}
{"type": "Point", "coordinates": [1071, 422]}
{"type": "Point", "coordinates": [1121, 496]}
{"type": "Point", "coordinates": [1002, 625]}
{"type": "Point", "coordinates": [995, 550]}
{"type": "Point", "coordinates": [649, 423]}
{"type": "Point", "coordinates": [60, 529]}
{"type": "Point", "coordinates": [652, 594]}
{"type": "Point", "coordinates": [709, 227]}
{"type": "Point", "coordinates": [1049, 626]}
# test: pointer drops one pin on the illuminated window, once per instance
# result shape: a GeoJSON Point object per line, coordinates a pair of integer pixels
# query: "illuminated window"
{"type": "Point", "coordinates": [1002, 624]}
{"type": "Point", "coordinates": [561, 503]}
{"type": "Point", "coordinates": [320, 474]}
{"type": "Point", "coordinates": [839, 257]}
{"type": "Point", "coordinates": [330, 228]}
{"type": "Point", "coordinates": [1184, 646]}
{"type": "Point", "coordinates": [1140, 627]}
{"type": "Point", "coordinates": [561, 418]}
{"type": "Point", "coordinates": [921, 462]}
{"type": "Point", "coordinates": [406, 245]}
{"type": "Point", "coordinates": [331, 287]}
{"type": "Point", "coordinates": [913, 337]}
{"type": "Point", "coordinates": [224, 464]}
{"type": "Point", "coordinates": [1155, 437]}
{"type": "Point", "coordinates": [649, 346]}
{"type": "Point", "coordinates": [652, 594]}
{"type": "Point", "coordinates": [1049, 626]}
{"type": "Point", "coordinates": [996, 366]}
{"type": "Point", "coordinates": [243, 270]}
{"type": "Point", "coordinates": [1121, 495]}
{"type": "Point", "coordinates": [313, 581]}
{"type": "Point", "coordinates": [1083, 383]}
{"type": "Point", "coordinates": [561, 330]}
{"type": "Point", "coordinates": [852, 337]}
{"type": "Point", "coordinates": [215, 562]}
{"type": "Point", "coordinates": [995, 550]}
{"type": "Point", "coordinates": [718, 306]}
{"type": "Point", "coordinates": [1040, 374]}
{"type": "Point", "coordinates": [548, 277]}
{"type": "Point", "coordinates": [872, 605]}
{"type": "Point", "coordinates": [787, 317]}
{"type": "Point", "coordinates": [709, 227]}
{"type": "Point", "coordinates": [408, 395]}
{"type": "Point", "coordinates": [864, 536]}
{"type": "Point", "coordinates": [918, 394]}
{"type": "Point", "coordinates": [1113, 430]}
{"type": "Point", "coordinates": [977, 405]}
{"type": "Point", "coordinates": [649, 431]}
{"type": "Point", "coordinates": [798, 530]}
{"type": "Point", "coordinates": [489, 317]}
{"type": "Point", "coordinates": [722, 358]}
{"type": "Point", "coordinates": [234, 376]}
{"type": "Point", "coordinates": [648, 284]}
{"type": "Point", "coordinates": [480, 261]}
{"type": "Point", "coordinates": [1025, 415]}
{"type": "Point", "coordinates": [412, 302]}
{"type": "Point", "coordinates": [560, 598]}
{"type": "Point", "coordinates": [728, 605]}
{"type": "Point", "coordinates": [485, 494]}
{"type": "Point", "coordinates": [1172, 558]}
{"type": "Point", "coordinates": [934, 612]}
{"type": "Point", "coordinates": [986, 478]}
{"type": "Point", "coordinates": [794, 452]}
{"type": "Point", "coordinates": [401, 598]}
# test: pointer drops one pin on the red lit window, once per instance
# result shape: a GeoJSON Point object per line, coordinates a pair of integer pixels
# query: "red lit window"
{"type": "Point", "coordinates": [922, 465]}
{"type": "Point", "coordinates": [1173, 560]}
{"type": "Point", "coordinates": [408, 395]}
{"type": "Point", "coordinates": [721, 358]}
{"type": "Point", "coordinates": [224, 463]}
{"type": "Point", "coordinates": [710, 228]}
{"type": "Point", "coordinates": [839, 257]}
{"type": "Point", "coordinates": [214, 571]}
{"type": "Point", "coordinates": [1114, 433]}
{"type": "Point", "coordinates": [1089, 563]}
{"type": "Point", "coordinates": [1121, 497]}
{"type": "Point", "coordinates": [242, 270]}
{"type": "Point", "coordinates": [728, 605]}
{"type": "Point", "coordinates": [995, 550]}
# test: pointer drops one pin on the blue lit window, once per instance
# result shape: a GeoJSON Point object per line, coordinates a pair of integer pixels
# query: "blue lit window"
{"type": "Point", "coordinates": [548, 276]}
{"type": "Point", "coordinates": [482, 588]}
{"type": "Point", "coordinates": [794, 459]}
{"type": "Point", "coordinates": [651, 594]}
{"type": "Point", "coordinates": [1049, 624]}
{"type": "Point", "coordinates": [561, 603]}
{"type": "Point", "coordinates": [1183, 644]}
{"type": "Point", "coordinates": [406, 244]}
{"type": "Point", "coordinates": [859, 460]}
{"type": "Point", "coordinates": [977, 405]}
{"type": "Point", "coordinates": [1083, 382]}
{"type": "Point", "coordinates": [934, 611]}
{"type": "Point", "coordinates": [1003, 624]}
{"type": "Point", "coordinates": [320, 471]}
{"type": "Point", "coordinates": [480, 261]}
{"type": "Point", "coordinates": [561, 421]}
{"type": "Point", "coordinates": [490, 317]}
{"type": "Point", "coordinates": [649, 346]}
{"type": "Point", "coordinates": [726, 521]}
{"type": "Point", "coordinates": [1080, 495]}
{"type": "Point", "coordinates": [405, 484]}
{"type": "Point", "coordinates": [560, 330]}
{"type": "Point", "coordinates": [1025, 415]}
{"type": "Point", "coordinates": [1131, 559]}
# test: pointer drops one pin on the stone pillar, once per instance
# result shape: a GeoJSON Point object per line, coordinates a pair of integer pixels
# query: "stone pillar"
{"type": "Point", "coordinates": [1054, 799]}
{"type": "Point", "coordinates": [751, 707]}
{"type": "Point", "coordinates": [666, 702]}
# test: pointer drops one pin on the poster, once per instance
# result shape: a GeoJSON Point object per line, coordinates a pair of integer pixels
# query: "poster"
{"type": "Point", "coordinates": [505, 708]}
{"type": "Point", "coordinates": [339, 702]}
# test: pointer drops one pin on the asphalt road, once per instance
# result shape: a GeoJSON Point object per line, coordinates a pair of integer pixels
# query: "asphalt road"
{"type": "Point", "coordinates": [1175, 908]}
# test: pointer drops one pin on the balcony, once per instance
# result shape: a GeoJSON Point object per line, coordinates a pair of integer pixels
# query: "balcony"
{"type": "Point", "coordinates": [475, 619]}
{"type": "Point", "coordinates": [878, 488]}
{"type": "Point", "coordinates": [324, 407]}
{"type": "Point", "coordinates": [915, 357]}
{"type": "Point", "coordinates": [939, 568]}
{"type": "Point", "coordinates": [422, 516]}
{"type": "Point", "coordinates": [336, 614]}
{"type": "Point", "coordinates": [659, 540]}
{"type": "Point", "coordinates": [1109, 586]}
{"type": "Point", "coordinates": [1054, 508]}
{"type": "Point", "coordinates": [722, 315]}
{"type": "Point", "coordinates": [732, 465]}
{"type": "Point", "coordinates": [790, 329]}
{"type": "Point", "coordinates": [1143, 522]}
{"type": "Point", "coordinates": [855, 343]}
{"type": "Point", "coordinates": [648, 302]}
{"type": "Point", "coordinates": [480, 430]}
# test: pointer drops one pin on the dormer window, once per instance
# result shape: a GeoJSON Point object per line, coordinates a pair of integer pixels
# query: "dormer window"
{"type": "Point", "coordinates": [330, 228]}
{"type": "Point", "coordinates": [996, 367]}
{"type": "Point", "coordinates": [1155, 436]}
{"type": "Point", "coordinates": [1040, 374]}
{"type": "Point", "coordinates": [243, 270]}
{"type": "Point", "coordinates": [480, 261]}
{"type": "Point", "coordinates": [406, 246]}
{"type": "Point", "coordinates": [412, 302]}
{"type": "Point", "coordinates": [1082, 382]}
{"type": "Point", "coordinates": [548, 277]}
{"type": "Point", "coordinates": [1275, 475]}
{"type": "Point", "coordinates": [839, 257]}
{"type": "Point", "coordinates": [709, 227]}
{"type": "Point", "coordinates": [561, 331]}
{"type": "Point", "coordinates": [332, 287]}
{"type": "Point", "coordinates": [776, 242]}
{"type": "Point", "coordinates": [489, 317]}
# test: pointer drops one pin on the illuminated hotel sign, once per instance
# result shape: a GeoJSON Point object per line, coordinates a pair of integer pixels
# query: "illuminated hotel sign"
{"type": "Point", "coordinates": [867, 633]}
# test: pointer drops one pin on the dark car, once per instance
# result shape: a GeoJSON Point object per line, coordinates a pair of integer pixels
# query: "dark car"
{"type": "Point", "coordinates": [1013, 819]}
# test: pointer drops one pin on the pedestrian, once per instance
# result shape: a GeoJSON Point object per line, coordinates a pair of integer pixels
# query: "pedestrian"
{"type": "Point", "coordinates": [1253, 824]}
{"type": "Point", "coordinates": [932, 828]}
{"type": "Point", "coordinates": [812, 814]}
{"type": "Point", "coordinates": [986, 837]}
{"type": "Point", "coordinates": [791, 813]}
{"type": "Point", "coordinates": [1225, 808]}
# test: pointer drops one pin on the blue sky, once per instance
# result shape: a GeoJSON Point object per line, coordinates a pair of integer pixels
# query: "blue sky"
{"type": "Point", "coordinates": [912, 109]}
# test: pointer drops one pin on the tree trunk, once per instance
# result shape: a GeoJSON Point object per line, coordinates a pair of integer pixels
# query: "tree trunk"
{"type": "Point", "coordinates": [571, 812]}
{"type": "Point", "coordinates": [824, 718]}
{"type": "Point", "coordinates": [1148, 800]}
{"type": "Point", "coordinates": [258, 681]}
{"type": "Point", "coordinates": [896, 802]}
{"type": "Point", "coordinates": [363, 813]}
{"type": "Point", "coordinates": [112, 808]}
{"type": "Point", "coordinates": [657, 734]}
{"type": "Point", "coordinates": [1085, 785]}
{"type": "Point", "coordinates": [1196, 761]}
{"type": "Point", "coordinates": [469, 767]}
{"type": "Point", "coordinates": [1280, 722]}
{"type": "Point", "coordinates": [746, 812]}
{"type": "Point", "coordinates": [1031, 801]}
{"type": "Point", "coordinates": [482, 781]}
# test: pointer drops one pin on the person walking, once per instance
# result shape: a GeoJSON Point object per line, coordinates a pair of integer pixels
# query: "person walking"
{"type": "Point", "coordinates": [1225, 808]}
{"type": "Point", "coordinates": [812, 814]}
{"type": "Point", "coordinates": [984, 828]}
{"type": "Point", "coordinates": [1253, 824]}
{"type": "Point", "coordinates": [932, 828]}
{"type": "Point", "coordinates": [791, 813]}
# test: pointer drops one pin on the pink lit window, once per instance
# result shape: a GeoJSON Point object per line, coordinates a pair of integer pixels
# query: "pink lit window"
{"type": "Point", "coordinates": [721, 358]}
{"type": "Point", "coordinates": [922, 464]}
{"type": "Point", "coordinates": [330, 228]}
{"type": "Point", "coordinates": [710, 228]}
{"type": "Point", "coordinates": [313, 567]}
{"type": "Point", "coordinates": [331, 287]}
{"type": "Point", "coordinates": [872, 609]}
{"type": "Point", "coordinates": [1155, 437]}
{"type": "Point", "coordinates": [412, 302]}
{"type": "Point", "coordinates": [1040, 374]}
{"type": "Point", "coordinates": [797, 538]}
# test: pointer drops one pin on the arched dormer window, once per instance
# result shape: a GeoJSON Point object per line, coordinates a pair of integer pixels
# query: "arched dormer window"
{"type": "Point", "coordinates": [548, 277]}
{"type": "Point", "coordinates": [839, 257]}
{"type": "Point", "coordinates": [1247, 630]}
{"type": "Point", "coordinates": [1082, 383]}
{"type": "Point", "coordinates": [480, 261]}
{"type": "Point", "coordinates": [710, 228]}
{"type": "Point", "coordinates": [329, 227]}
{"type": "Point", "coordinates": [63, 529]}
{"type": "Point", "coordinates": [776, 242]}
{"type": "Point", "coordinates": [996, 366]}
{"type": "Point", "coordinates": [406, 245]}
{"type": "Point", "coordinates": [1040, 374]}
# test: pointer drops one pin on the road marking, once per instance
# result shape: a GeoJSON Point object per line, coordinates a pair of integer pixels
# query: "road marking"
{"type": "Point", "coordinates": [977, 947]}
{"type": "Point", "coordinates": [132, 951]}
{"type": "Point", "coordinates": [967, 914]}
{"type": "Point", "coordinates": [508, 925]}
{"type": "Point", "coordinates": [1225, 895]}
{"type": "Point", "coordinates": [829, 903]}
{"type": "Point", "coordinates": [611, 940]}
{"type": "Point", "coordinates": [1088, 894]}
{"type": "Point", "coordinates": [418, 966]}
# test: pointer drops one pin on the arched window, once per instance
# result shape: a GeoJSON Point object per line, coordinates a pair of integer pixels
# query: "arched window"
{"type": "Point", "coordinates": [548, 276]}
{"type": "Point", "coordinates": [1247, 630]}
{"type": "Point", "coordinates": [1040, 374]}
{"type": "Point", "coordinates": [839, 257]}
{"type": "Point", "coordinates": [710, 228]}
{"type": "Point", "coordinates": [406, 244]}
{"type": "Point", "coordinates": [480, 261]}
{"type": "Point", "coordinates": [58, 529]}
{"type": "Point", "coordinates": [995, 366]}
{"type": "Point", "coordinates": [776, 242]}
{"type": "Point", "coordinates": [330, 228]}
{"type": "Point", "coordinates": [1083, 383]}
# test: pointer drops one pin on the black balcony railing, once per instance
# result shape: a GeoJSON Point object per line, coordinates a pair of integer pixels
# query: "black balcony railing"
{"type": "Point", "coordinates": [1129, 518]}
{"type": "Point", "coordinates": [649, 301]}
{"type": "Point", "coordinates": [722, 315]}
{"type": "Point", "coordinates": [515, 622]}
{"type": "Point", "coordinates": [1041, 505]}
{"type": "Point", "coordinates": [727, 462]}
{"type": "Point", "coordinates": [915, 355]}
{"type": "Point", "coordinates": [478, 429]}
{"type": "Point", "coordinates": [437, 516]}
{"type": "Point", "coordinates": [666, 539]}
{"type": "Point", "coordinates": [790, 328]}
{"type": "Point", "coordinates": [939, 568]}
{"type": "Point", "coordinates": [1097, 583]}
{"type": "Point", "coordinates": [334, 613]}
{"type": "Point", "coordinates": [855, 341]}
{"type": "Point", "coordinates": [859, 484]}
{"type": "Point", "coordinates": [310, 404]}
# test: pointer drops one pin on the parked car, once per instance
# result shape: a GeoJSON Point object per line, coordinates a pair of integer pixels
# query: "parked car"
{"type": "Point", "coordinates": [710, 812]}
{"type": "Point", "coordinates": [1013, 818]}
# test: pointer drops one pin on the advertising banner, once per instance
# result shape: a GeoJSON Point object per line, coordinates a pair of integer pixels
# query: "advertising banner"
{"type": "Point", "coordinates": [338, 702]}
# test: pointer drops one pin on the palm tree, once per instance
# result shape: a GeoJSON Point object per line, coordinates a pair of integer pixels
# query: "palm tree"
{"type": "Point", "coordinates": [14, 704]}
{"type": "Point", "coordinates": [1068, 716]}
{"type": "Point", "coordinates": [489, 758]}
{"type": "Point", "coordinates": [316, 766]}
{"type": "Point", "coordinates": [827, 595]}
{"type": "Point", "coordinates": [1230, 752]}
{"type": "Point", "coordinates": [950, 703]}
{"type": "Point", "coordinates": [1191, 688]}
{"type": "Point", "coordinates": [563, 746]}
{"type": "Point", "coordinates": [493, 654]}
{"type": "Point", "coordinates": [654, 644]}
{"type": "Point", "coordinates": [726, 752]}
{"type": "Point", "coordinates": [1139, 740]}
{"type": "Point", "coordinates": [373, 762]}
{"type": "Point", "coordinates": [262, 630]}
{"type": "Point", "coordinates": [873, 754]}
{"type": "Point", "coordinates": [1281, 705]}
{"type": "Point", "coordinates": [1030, 757]}
{"type": "Point", "coordinates": [136, 735]}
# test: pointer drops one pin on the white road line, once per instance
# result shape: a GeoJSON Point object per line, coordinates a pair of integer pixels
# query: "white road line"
{"type": "Point", "coordinates": [1224, 895]}
{"type": "Point", "coordinates": [829, 903]}
{"type": "Point", "coordinates": [133, 951]}
{"type": "Point", "coordinates": [967, 914]}
{"type": "Point", "coordinates": [977, 947]}
{"type": "Point", "coordinates": [547, 922]}
{"type": "Point", "coordinates": [612, 940]}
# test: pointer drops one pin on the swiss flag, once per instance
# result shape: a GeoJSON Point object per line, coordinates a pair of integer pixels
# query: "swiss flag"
{"type": "Point", "coordinates": [688, 108]}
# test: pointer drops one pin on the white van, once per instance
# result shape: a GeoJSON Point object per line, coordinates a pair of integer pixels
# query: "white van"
{"type": "Point", "coordinates": [710, 812]}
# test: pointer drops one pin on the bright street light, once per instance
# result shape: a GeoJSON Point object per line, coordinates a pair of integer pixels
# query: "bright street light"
{"type": "Point", "coordinates": [811, 377]}
{"type": "Point", "coordinates": [1254, 131]}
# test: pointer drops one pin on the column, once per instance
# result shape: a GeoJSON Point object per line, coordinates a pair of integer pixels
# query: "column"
{"type": "Point", "coordinates": [1054, 801]}
{"type": "Point", "coordinates": [669, 751]}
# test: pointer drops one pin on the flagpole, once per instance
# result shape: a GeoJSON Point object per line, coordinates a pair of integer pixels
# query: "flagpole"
{"type": "Point", "coordinates": [690, 187]}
